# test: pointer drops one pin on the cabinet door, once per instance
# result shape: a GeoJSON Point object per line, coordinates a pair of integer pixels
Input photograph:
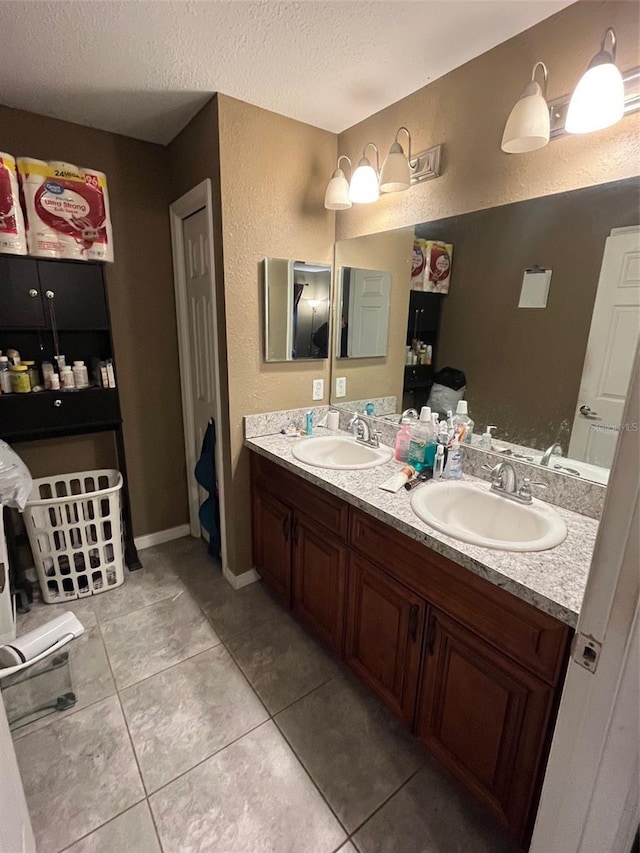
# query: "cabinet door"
{"type": "Point", "coordinates": [272, 543]}
{"type": "Point", "coordinates": [20, 296]}
{"type": "Point", "coordinates": [79, 296]}
{"type": "Point", "coordinates": [319, 580]}
{"type": "Point", "coordinates": [385, 622]}
{"type": "Point", "coordinates": [484, 717]}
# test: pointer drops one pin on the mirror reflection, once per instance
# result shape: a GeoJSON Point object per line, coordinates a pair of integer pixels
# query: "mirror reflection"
{"type": "Point", "coordinates": [541, 319]}
{"type": "Point", "coordinates": [363, 313]}
{"type": "Point", "coordinates": [297, 309]}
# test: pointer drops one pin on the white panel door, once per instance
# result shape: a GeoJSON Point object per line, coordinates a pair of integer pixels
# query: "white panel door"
{"type": "Point", "coordinates": [199, 310]}
{"type": "Point", "coordinates": [369, 293]}
{"type": "Point", "coordinates": [615, 326]}
{"type": "Point", "coordinates": [16, 835]}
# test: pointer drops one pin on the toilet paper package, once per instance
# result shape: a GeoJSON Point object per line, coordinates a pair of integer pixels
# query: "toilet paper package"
{"type": "Point", "coordinates": [67, 211]}
{"type": "Point", "coordinates": [13, 239]}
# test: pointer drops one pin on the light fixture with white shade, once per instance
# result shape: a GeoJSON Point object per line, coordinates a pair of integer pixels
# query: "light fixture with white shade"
{"type": "Point", "coordinates": [364, 187]}
{"type": "Point", "coordinates": [528, 125]}
{"type": "Point", "coordinates": [598, 99]}
{"type": "Point", "coordinates": [337, 194]}
{"type": "Point", "coordinates": [395, 175]}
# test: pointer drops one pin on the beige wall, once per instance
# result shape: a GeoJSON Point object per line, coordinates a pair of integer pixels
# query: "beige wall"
{"type": "Point", "coordinates": [467, 109]}
{"type": "Point", "coordinates": [379, 377]}
{"type": "Point", "coordinates": [141, 300]}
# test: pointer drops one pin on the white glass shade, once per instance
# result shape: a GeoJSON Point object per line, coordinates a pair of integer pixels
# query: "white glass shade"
{"type": "Point", "coordinates": [597, 101]}
{"type": "Point", "coordinates": [528, 125]}
{"type": "Point", "coordinates": [395, 175]}
{"type": "Point", "coordinates": [337, 194]}
{"type": "Point", "coordinates": [364, 184]}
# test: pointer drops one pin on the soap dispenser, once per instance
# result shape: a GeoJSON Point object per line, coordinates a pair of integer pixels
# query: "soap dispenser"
{"type": "Point", "coordinates": [485, 440]}
{"type": "Point", "coordinates": [462, 423]}
{"type": "Point", "coordinates": [453, 468]}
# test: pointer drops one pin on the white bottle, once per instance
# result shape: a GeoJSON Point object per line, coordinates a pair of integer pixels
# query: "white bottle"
{"type": "Point", "coordinates": [5, 375]}
{"type": "Point", "coordinates": [485, 440]}
{"type": "Point", "coordinates": [80, 374]}
{"type": "Point", "coordinates": [462, 423]}
{"type": "Point", "coordinates": [453, 468]}
{"type": "Point", "coordinates": [67, 381]}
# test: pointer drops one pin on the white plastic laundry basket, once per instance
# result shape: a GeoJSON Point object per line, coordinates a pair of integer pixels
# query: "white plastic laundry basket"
{"type": "Point", "coordinates": [75, 531]}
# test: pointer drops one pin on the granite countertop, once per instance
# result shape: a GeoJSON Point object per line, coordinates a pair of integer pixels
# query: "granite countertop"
{"type": "Point", "coordinates": [553, 580]}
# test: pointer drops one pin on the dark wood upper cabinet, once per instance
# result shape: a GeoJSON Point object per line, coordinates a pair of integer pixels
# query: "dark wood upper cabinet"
{"type": "Point", "coordinates": [319, 580]}
{"type": "Point", "coordinates": [484, 717]}
{"type": "Point", "coordinates": [21, 304]}
{"type": "Point", "coordinates": [385, 622]}
{"type": "Point", "coordinates": [79, 295]}
{"type": "Point", "coordinates": [272, 522]}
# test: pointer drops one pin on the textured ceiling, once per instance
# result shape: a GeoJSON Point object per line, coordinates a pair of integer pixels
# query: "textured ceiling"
{"type": "Point", "coordinates": [145, 67]}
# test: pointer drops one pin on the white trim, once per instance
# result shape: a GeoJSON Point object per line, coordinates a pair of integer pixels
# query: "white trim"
{"type": "Point", "coordinates": [197, 198]}
{"type": "Point", "coordinates": [161, 536]}
{"type": "Point", "coordinates": [238, 581]}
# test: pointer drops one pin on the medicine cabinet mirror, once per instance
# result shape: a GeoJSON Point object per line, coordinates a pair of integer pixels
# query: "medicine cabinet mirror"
{"type": "Point", "coordinates": [556, 374]}
{"type": "Point", "coordinates": [297, 309]}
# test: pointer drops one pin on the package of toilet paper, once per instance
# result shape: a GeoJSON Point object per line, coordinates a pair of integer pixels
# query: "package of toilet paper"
{"type": "Point", "coordinates": [13, 239]}
{"type": "Point", "coordinates": [67, 211]}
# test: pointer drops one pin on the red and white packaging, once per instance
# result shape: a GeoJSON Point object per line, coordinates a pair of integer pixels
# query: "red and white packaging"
{"type": "Point", "coordinates": [67, 211]}
{"type": "Point", "coordinates": [13, 239]}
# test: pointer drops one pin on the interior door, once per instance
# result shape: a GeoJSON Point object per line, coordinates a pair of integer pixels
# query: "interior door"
{"type": "Point", "coordinates": [615, 326]}
{"type": "Point", "coordinates": [199, 320]}
{"type": "Point", "coordinates": [369, 292]}
{"type": "Point", "coordinates": [16, 835]}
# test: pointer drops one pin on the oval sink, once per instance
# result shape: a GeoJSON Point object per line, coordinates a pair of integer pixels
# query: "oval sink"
{"type": "Point", "coordinates": [340, 452]}
{"type": "Point", "coordinates": [472, 513]}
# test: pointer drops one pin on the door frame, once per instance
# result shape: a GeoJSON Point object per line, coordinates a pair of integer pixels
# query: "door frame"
{"type": "Point", "coordinates": [196, 199]}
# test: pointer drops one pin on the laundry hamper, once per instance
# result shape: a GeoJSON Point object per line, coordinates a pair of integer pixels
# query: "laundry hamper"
{"type": "Point", "coordinates": [75, 530]}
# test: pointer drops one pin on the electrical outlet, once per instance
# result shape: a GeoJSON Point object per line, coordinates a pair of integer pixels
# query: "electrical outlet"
{"type": "Point", "coordinates": [341, 386]}
{"type": "Point", "coordinates": [318, 389]}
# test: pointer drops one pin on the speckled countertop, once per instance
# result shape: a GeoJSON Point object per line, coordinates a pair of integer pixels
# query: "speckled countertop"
{"type": "Point", "coordinates": [553, 580]}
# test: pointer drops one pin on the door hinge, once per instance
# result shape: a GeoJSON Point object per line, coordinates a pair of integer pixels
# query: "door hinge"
{"type": "Point", "coordinates": [585, 651]}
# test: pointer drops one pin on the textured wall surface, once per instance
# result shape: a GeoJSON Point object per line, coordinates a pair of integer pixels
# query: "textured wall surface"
{"type": "Point", "coordinates": [467, 109]}
{"type": "Point", "coordinates": [141, 300]}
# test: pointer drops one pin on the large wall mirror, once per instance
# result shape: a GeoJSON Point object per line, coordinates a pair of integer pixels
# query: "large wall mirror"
{"type": "Point", "coordinates": [297, 312]}
{"type": "Point", "coordinates": [542, 317]}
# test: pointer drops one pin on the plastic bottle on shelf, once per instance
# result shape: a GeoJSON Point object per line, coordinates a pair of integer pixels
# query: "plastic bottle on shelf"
{"type": "Point", "coordinates": [67, 381]}
{"type": "Point", "coordinates": [5, 375]}
{"type": "Point", "coordinates": [20, 383]}
{"type": "Point", "coordinates": [80, 374]}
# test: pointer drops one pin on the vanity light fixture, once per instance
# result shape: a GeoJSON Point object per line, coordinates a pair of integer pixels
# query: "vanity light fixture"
{"type": "Point", "coordinates": [598, 99]}
{"type": "Point", "coordinates": [528, 125]}
{"type": "Point", "coordinates": [364, 187]}
{"type": "Point", "coordinates": [337, 194]}
{"type": "Point", "coordinates": [396, 170]}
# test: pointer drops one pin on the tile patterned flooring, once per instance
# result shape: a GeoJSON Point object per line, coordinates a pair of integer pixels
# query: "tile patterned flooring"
{"type": "Point", "coordinates": [208, 720]}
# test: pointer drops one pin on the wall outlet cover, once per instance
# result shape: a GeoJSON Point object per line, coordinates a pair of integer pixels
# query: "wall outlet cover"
{"type": "Point", "coordinates": [341, 386]}
{"type": "Point", "coordinates": [318, 389]}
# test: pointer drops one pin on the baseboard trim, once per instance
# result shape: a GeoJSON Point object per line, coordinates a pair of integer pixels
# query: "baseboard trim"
{"type": "Point", "coordinates": [238, 581]}
{"type": "Point", "coordinates": [161, 536]}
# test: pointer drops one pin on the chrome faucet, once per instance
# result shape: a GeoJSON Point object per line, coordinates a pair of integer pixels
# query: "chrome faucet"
{"type": "Point", "coordinates": [362, 431]}
{"type": "Point", "coordinates": [504, 482]}
{"type": "Point", "coordinates": [406, 414]}
{"type": "Point", "coordinates": [554, 450]}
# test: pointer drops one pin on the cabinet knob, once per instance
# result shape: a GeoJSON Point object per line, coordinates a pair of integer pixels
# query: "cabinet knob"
{"type": "Point", "coordinates": [57, 403]}
{"type": "Point", "coordinates": [33, 292]}
{"type": "Point", "coordinates": [49, 294]}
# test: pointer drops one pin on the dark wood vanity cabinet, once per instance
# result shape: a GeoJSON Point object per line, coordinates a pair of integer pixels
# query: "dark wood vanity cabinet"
{"type": "Point", "coordinates": [472, 670]}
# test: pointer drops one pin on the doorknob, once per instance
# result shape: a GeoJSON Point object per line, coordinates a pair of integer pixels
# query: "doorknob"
{"type": "Point", "coordinates": [33, 292]}
{"type": "Point", "coordinates": [586, 412]}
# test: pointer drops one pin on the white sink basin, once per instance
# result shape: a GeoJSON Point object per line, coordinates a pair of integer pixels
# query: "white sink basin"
{"type": "Point", "coordinates": [340, 452]}
{"type": "Point", "coordinates": [472, 513]}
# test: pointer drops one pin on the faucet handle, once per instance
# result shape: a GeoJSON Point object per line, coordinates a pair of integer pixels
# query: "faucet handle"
{"type": "Point", "coordinates": [495, 471]}
{"type": "Point", "coordinates": [525, 488]}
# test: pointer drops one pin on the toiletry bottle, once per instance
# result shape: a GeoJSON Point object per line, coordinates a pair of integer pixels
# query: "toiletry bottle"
{"type": "Point", "coordinates": [462, 423]}
{"type": "Point", "coordinates": [438, 465]}
{"type": "Point", "coordinates": [5, 375]}
{"type": "Point", "coordinates": [80, 374]}
{"type": "Point", "coordinates": [309, 423]}
{"type": "Point", "coordinates": [485, 440]}
{"type": "Point", "coordinates": [67, 381]}
{"type": "Point", "coordinates": [403, 439]}
{"type": "Point", "coordinates": [20, 383]}
{"type": "Point", "coordinates": [370, 409]}
{"type": "Point", "coordinates": [453, 468]}
{"type": "Point", "coordinates": [422, 437]}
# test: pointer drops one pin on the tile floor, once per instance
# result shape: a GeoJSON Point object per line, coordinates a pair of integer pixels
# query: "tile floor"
{"type": "Point", "coordinates": [208, 720]}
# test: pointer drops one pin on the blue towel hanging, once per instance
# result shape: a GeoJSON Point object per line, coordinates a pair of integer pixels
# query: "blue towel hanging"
{"type": "Point", "coordinates": [205, 472]}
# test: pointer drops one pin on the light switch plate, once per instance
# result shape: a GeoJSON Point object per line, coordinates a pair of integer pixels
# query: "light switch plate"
{"type": "Point", "coordinates": [318, 389]}
{"type": "Point", "coordinates": [341, 386]}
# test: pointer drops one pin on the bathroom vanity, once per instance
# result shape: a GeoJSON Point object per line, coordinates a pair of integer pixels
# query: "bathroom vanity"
{"type": "Point", "coordinates": [455, 643]}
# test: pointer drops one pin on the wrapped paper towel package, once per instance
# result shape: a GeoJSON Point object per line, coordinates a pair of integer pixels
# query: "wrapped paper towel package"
{"type": "Point", "coordinates": [13, 239]}
{"type": "Point", "coordinates": [67, 211]}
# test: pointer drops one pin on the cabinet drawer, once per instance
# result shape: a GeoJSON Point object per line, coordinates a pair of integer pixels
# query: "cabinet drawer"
{"type": "Point", "coordinates": [521, 631]}
{"type": "Point", "coordinates": [321, 507]}
{"type": "Point", "coordinates": [47, 412]}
